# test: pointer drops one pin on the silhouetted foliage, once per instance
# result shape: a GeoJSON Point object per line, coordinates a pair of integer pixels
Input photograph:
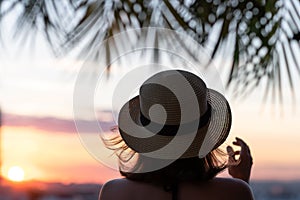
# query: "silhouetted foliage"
{"type": "Point", "coordinates": [264, 34]}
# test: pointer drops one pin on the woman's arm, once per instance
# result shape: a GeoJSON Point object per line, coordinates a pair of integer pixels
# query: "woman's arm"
{"type": "Point", "coordinates": [240, 168]}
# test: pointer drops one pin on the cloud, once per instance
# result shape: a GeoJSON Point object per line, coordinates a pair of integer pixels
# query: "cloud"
{"type": "Point", "coordinates": [53, 124]}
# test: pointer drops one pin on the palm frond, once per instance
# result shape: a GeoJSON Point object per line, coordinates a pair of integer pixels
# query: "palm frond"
{"type": "Point", "coordinates": [264, 35]}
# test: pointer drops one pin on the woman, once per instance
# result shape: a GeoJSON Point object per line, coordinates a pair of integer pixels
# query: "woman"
{"type": "Point", "coordinates": [168, 149]}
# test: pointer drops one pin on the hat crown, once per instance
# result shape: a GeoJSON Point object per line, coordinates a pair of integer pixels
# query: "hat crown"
{"type": "Point", "coordinates": [153, 123]}
{"type": "Point", "coordinates": [169, 94]}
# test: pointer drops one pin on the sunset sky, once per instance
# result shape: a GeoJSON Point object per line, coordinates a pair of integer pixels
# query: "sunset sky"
{"type": "Point", "coordinates": [39, 133]}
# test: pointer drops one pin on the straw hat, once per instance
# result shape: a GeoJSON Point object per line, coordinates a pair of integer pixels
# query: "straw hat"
{"type": "Point", "coordinates": [175, 115]}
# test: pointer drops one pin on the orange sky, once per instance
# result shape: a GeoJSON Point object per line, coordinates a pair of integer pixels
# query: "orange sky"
{"type": "Point", "coordinates": [56, 157]}
{"type": "Point", "coordinates": [53, 151]}
{"type": "Point", "coordinates": [29, 81]}
{"type": "Point", "coordinates": [59, 156]}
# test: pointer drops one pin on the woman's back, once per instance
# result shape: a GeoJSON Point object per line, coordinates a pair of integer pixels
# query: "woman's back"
{"type": "Point", "coordinates": [217, 188]}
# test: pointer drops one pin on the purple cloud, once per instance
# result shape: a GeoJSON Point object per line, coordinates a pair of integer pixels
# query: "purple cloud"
{"type": "Point", "coordinates": [52, 124]}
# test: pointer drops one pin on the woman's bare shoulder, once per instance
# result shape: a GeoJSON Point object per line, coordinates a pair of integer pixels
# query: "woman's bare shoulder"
{"type": "Point", "coordinates": [109, 189]}
{"type": "Point", "coordinates": [215, 189]}
{"type": "Point", "coordinates": [121, 188]}
{"type": "Point", "coordinates": [133, 190]}
{"type": "Point", "coordinates": [233, 186]}
{"type": "Point", "coordinates": [116, 184]}
{"type": "Point", "coordinates": [231, 181]}
{"type": "Point", "coordinates": [120, 183]}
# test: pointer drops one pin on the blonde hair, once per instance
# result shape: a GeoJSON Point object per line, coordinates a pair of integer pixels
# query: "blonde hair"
{"type": "Point", "coordinates": [183, 169]}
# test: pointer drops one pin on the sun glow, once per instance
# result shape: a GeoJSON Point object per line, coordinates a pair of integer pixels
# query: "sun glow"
{"type": "Point", "coordinates": [16, 174]}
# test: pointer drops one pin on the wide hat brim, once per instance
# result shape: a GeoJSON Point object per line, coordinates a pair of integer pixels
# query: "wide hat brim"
{"type": "Point", "coordinates": [206, 139]}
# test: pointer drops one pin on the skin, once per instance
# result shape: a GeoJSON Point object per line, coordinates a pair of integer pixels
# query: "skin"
{"type": "Point", "coordinates": [235, 188]}
{"type": "Point", "coordinates": [240, 168]}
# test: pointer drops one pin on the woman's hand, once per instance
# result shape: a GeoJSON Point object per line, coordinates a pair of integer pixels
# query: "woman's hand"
{"type": "Point", "coordinates": [240, 168]}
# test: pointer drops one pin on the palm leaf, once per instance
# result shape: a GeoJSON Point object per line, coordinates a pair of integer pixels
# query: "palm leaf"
{"type": "Point", "coordinates": [264, 35]}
